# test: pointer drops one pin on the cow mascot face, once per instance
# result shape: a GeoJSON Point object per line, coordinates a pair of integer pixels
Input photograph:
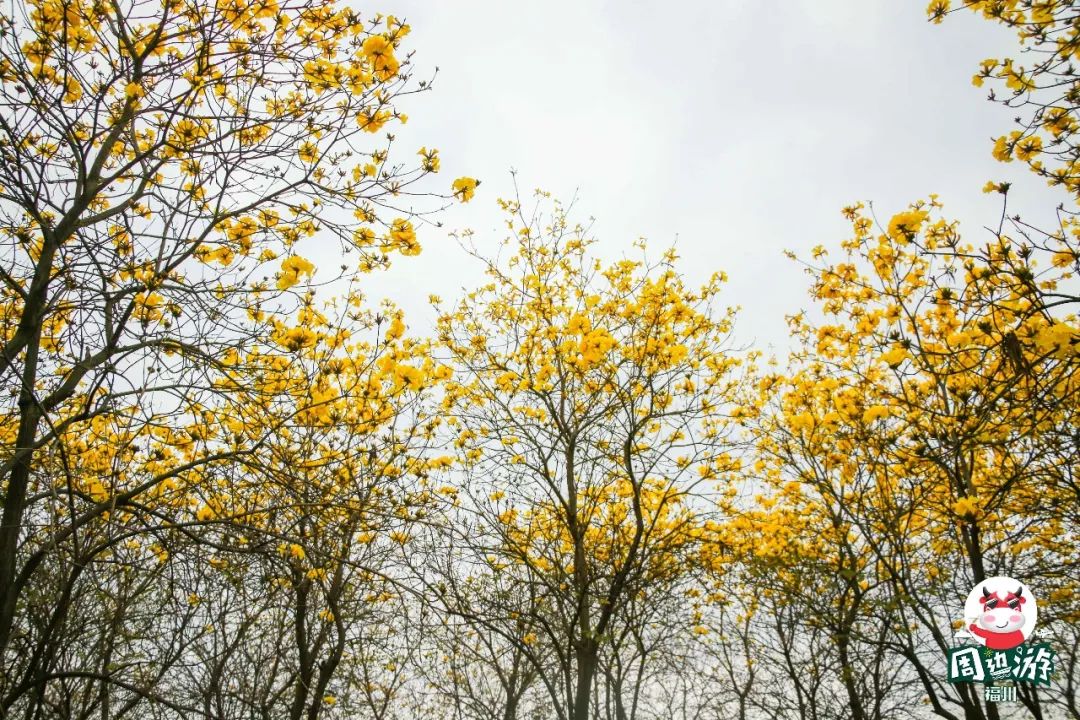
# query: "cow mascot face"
{"type": "Point", "coordinates": [1002, 614]}
{"type": "Point", "coordinates": [1001, 618]}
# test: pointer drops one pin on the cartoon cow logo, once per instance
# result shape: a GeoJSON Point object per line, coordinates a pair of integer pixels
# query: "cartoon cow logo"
{"type": "Point", "coordinates": [1000, 613]}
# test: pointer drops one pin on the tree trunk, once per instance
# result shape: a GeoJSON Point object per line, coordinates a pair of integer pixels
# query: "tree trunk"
{"type": "Point", "coordinates": [586, 671]}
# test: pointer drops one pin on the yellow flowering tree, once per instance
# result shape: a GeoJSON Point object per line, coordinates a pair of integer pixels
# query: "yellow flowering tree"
{"type": "Point", "coordinates": [315, 518]}
{"type": "Point", "coordinates": [587, 410]}
{"type": "Point", "coordinates": [920, 431]}
{"type": "Point", "coordinates": [163, 165]}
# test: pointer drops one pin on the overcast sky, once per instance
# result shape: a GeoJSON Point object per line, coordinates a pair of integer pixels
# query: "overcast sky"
{"type": "Point", "coordinates": [738, 128]}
